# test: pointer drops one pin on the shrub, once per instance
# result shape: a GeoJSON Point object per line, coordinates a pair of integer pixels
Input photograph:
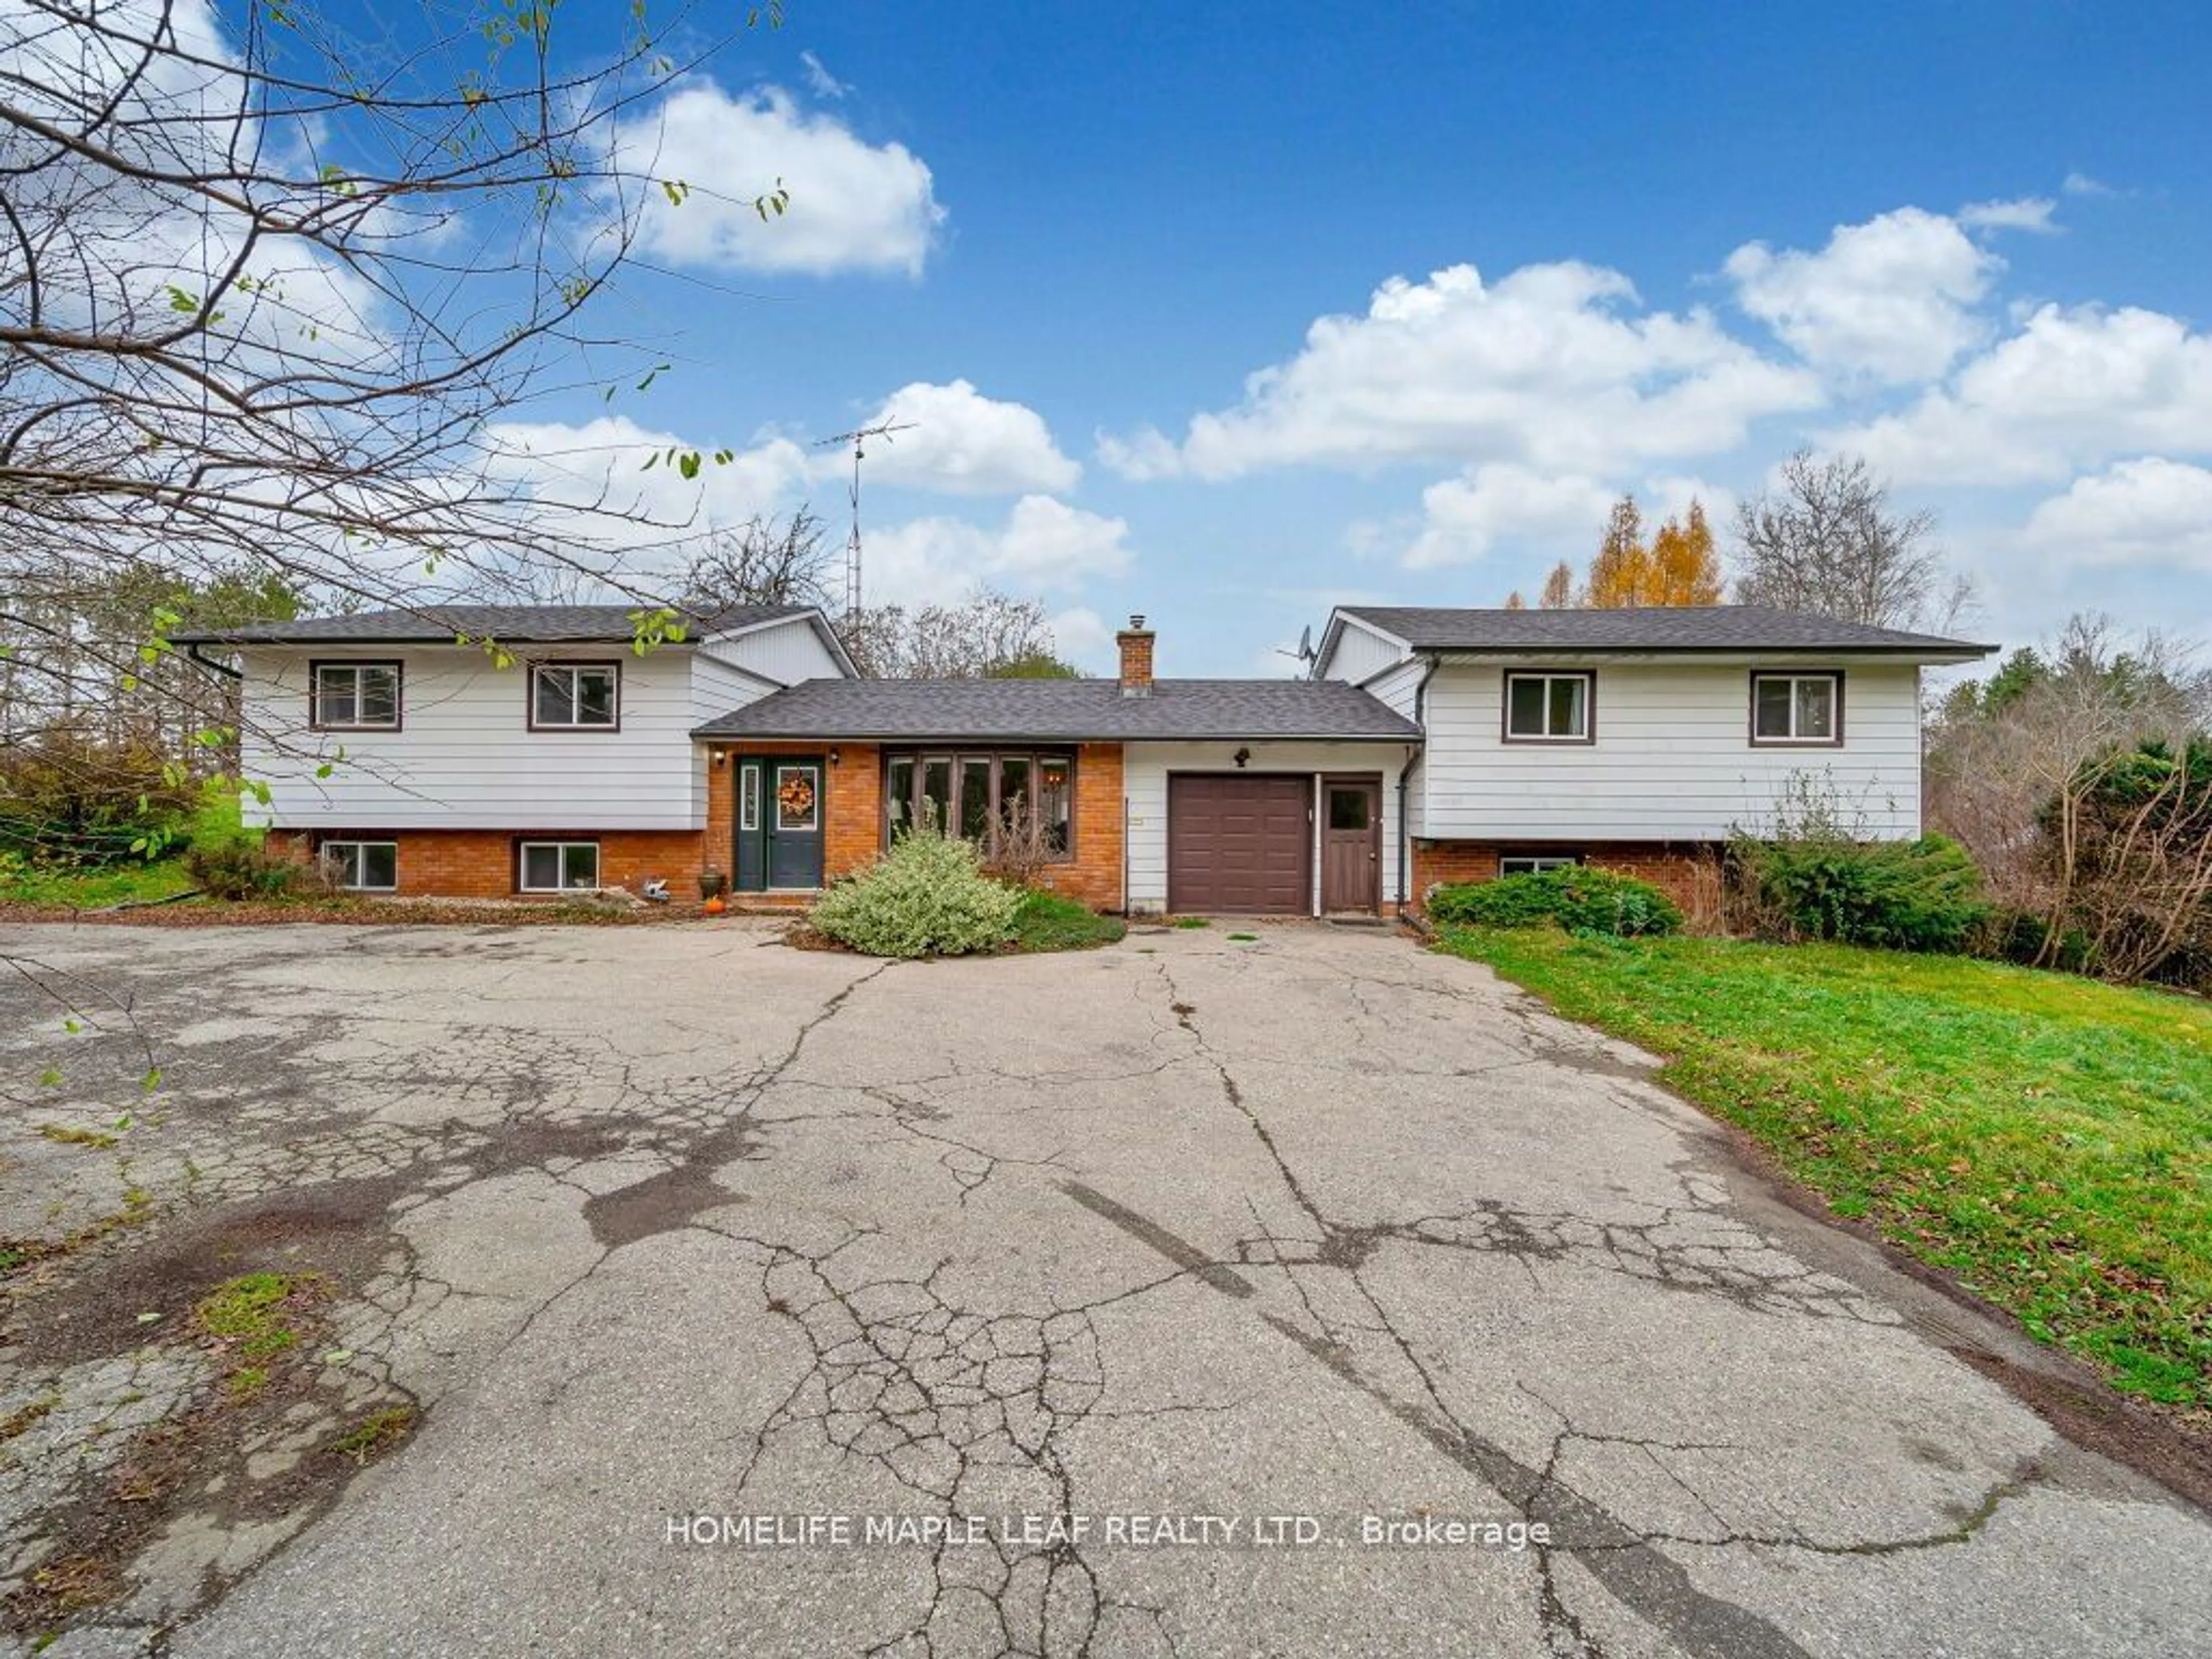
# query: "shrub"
{"type": "Point", "coordinates": [1579, 899]}
{"type": "Point", "coordinates": [1922, 895]}
{"type": "Point", "coordinates": [243, 869]}
{"type": "Point", "coordinates": [70, 800]}
{"type": "Point", "coordinates": [926, 896]}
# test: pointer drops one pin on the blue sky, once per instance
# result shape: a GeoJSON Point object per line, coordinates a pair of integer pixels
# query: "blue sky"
{"type": "Point", "coordinates": [1568, 251]}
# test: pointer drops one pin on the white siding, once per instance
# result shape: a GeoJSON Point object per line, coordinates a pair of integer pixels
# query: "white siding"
{"type": "Point", "coordinates": [1398, 689]}
{"type": "Point", "coordinates": [1360, 651]}
{"type": "Point", "coordinates": [1673, 759]}
{"type": "Point", "coordinates": [465, 758]}
{"type": "Point", "coordinates": [786, 652]}
{"type": "Point", "coordinates": [1146, 766]}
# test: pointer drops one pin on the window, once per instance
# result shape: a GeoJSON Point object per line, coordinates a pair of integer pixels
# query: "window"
{"type": "Point", "coordinates": [575, 696]}
{"type": "Point", "coordinates": [354, 696]}
{"type": "Point", "coordinates": [1349, 808]}
{"type": "Point", "coordinates": [979, 795]}
{"type": "Point", "coordinates": [1535, 864]}
{"type": "Point", "coordinates": [1548, 708]}
{"type": "Point", "coordinates": [1798, 708]}
{"type": "Point", "coordinates": [749, 795]}
{"type": "Point", "coordinates": [361, 866]}
{"type": "Point", "coordinates": [559, 866]}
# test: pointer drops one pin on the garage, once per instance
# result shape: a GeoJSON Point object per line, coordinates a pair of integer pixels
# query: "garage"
{"type": "Point", "coordinates": [1240, 843]}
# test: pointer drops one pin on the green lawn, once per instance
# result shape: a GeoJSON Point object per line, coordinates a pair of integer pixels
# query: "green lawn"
{"type": "Point", "coordinates": [94, 888]}
{"type": "Point", "coordinates": [2046, 1138]}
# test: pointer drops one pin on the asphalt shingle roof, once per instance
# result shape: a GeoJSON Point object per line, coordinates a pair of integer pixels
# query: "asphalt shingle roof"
{"type": "Point", "coordinates": [541, 625]}
{"type": "Point", "coordinates": [1065, 711]}
{"type": "Point", "coordinates": [1650, 628]}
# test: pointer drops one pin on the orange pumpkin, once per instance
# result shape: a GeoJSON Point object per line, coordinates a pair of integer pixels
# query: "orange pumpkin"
{"type": "Point", "coordinates": [714, 905]}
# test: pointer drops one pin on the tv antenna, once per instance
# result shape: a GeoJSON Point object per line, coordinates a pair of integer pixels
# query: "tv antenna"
{"type": "Point", "coordinates": [858, 438]}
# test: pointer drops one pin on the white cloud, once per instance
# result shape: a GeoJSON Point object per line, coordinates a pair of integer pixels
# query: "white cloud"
{"type": "Point", "coordinates": [2073, 387]}
{"type": "Point", "coordinates": [1080, 636]}
{"type": "Point", "coordinates": [854, 206]}
{"type": "Point", "coordinates": [2027, 213]}
{"type": "Point", "coordinates": [591, 480]}
{"type": "Point", "coordinates": [2081, 184]}
{"type": "Point", "coordinates": [2145, 512]}
{"type": "Point", "coordinates": [964, 443]}
{"type": "Point", "coordinates": [1553, 367]}
{"type": "Point", "coordinates": [1044, 544]}
{"type": "Point", "coordinates": [1464, 518]}
{"type": "Point", "coordinates": [819, 81]}
{"type": "Point", "coordinates": [1890, 300]}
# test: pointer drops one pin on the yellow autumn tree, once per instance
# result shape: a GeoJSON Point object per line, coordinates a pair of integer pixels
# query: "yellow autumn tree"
{"type": "Point", "coordinates": [1686, 570]}
{"type": "Point", "coordinates": [1678, 567]}
{"type": "Point", "coordinates": [1621, 571]}
{"type": "Point", "coordinates": [1559, 593]}
{"type": "Point", "coordinates": [1515, 602]}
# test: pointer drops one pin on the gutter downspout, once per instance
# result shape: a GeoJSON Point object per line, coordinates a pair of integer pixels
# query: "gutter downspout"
{"type": "Point", "coordinates": [1404, 774]}
{"type": "Point", "coordinates": [193, 652]}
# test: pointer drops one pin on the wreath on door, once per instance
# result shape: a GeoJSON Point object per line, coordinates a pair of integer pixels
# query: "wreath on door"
{"type": "Point", "coordinates": [795, 795]}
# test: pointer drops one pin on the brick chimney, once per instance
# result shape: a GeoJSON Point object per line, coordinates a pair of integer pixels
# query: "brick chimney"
{"type": "Point", "coordinates": [1136, 643]}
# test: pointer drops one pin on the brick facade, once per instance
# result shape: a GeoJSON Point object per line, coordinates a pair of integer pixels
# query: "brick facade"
{"type": "Point", "coordinates": [483, 863]}
{"type": "Point", "coordinates": [852, 823]}
{"type": "Point", "coordinates": [1681, 870]}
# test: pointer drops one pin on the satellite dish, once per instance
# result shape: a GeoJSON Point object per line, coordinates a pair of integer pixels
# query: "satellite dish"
{"type": "Point", "coordinates": [1305, 643]}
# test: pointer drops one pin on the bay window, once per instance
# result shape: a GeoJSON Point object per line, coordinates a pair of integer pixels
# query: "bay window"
{"type": "Point", "coordinates": [982, 795]}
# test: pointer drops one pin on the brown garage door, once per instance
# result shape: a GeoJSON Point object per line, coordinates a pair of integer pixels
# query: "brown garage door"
{"type": "Point", "coordinates": [1240, 843]}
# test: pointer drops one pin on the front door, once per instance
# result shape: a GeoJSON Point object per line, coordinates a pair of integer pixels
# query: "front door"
{"type": "Point", "coordinates": [1351, 844]}
{"type": "Point", "coordinates": [779, 823]}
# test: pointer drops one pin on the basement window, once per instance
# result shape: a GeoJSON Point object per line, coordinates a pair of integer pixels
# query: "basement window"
{"type": "Point", "coordinates": [361, 866]}
{"type": "Point", "coordinates": [559, 866]}
{"type": "Point", "coordinates": [1535, 864]}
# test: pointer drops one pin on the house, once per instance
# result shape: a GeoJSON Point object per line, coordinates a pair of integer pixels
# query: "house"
{"type": "Point", "coordinates": [410, 756]}
{"type": "Point", "coordinates": [480, 750]}
{"type": "Point", "coordinates": [1637, 739]}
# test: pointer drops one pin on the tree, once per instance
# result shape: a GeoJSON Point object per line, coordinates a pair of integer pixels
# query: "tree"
{"type": "Point", "coordinates": [1686, 570]}
{"type": "Point", "coordinates": [1038, 664]}
{"type": "Point", "coordinates": [1617, 571]}
{"type": "Point", "coordinates": [2077, 779]}
{"type": "Point", "coordinates": [1515, 602]}
{"type": "Point", "coordinates": [1828, 541]}
{"type": "Point", "coordinates": [1678, 567]}
{"type": "Point", "coordinates": [764, 560]}
{"type": "Point", "coordinates": [989, 634]}
{"type": "Point", "coordinates": [1559, 593]}
{"type": "Point", "coordinates": [273, 288]}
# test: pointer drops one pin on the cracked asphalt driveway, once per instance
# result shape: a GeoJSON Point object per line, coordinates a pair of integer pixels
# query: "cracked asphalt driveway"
{"type": "Point", "coordinates": [1172, 1271]}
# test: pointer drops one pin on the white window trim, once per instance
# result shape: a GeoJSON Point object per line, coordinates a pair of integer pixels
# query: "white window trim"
{"type": "Point", "coordinates": [316, 722]}
{"type": "Point", "coordinates": [1537, 862]}
{"type": "Point", "coordinates": [749, 799]}
{"type": "Point", "coordinates": [575, 722]}
{"type": "Point", "coordinates": [323, 857]}
{"type": "Point", "coordinates": [522, 866]}
{"type": "Point", "coordinates": [1589, 679]}
{"type": "Point", "coordinates": [1832, 678]}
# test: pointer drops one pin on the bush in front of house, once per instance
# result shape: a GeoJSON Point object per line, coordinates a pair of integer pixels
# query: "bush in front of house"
{"type": "Point", "coordinates": [1923, 895]}
{"type": "Point", "coordinates": [242, 867]}
{"type": "Point", "coordinates": [1577, 898]}
{"type": "Point", "coordinates": [68, 799]}
{"type": "Point", "coordinates": [927, 896]}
